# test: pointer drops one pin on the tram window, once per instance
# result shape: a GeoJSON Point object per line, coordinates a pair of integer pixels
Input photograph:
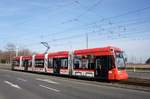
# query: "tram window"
{"type": "Point", "coordinates": [50, 63]}
{"type": "Point", "coordinates": [27, 63]}
{"type": "Point", "coordinates": [39, 63]}
{"type": "Point", "coordinates": [91, 63]}
{"type": "Point", "coordinates": [16, 63]}
{"type": "Point", "coordinates": [56, 62]}
{"type": "Point", "coordinates": [64, 63]}
{"type": "Point", "coordinates": [104, 62]}
{"type": "Point", "coordinates": [111, 63]}
{"type": "Point", "coordinates": [24, 63]}
{"type": "Point", "coordinates": [98, 63]}
{"type": "Point", "coordinates": [84, 63]}
{"type": "Point", "coordinates": [77, 62]}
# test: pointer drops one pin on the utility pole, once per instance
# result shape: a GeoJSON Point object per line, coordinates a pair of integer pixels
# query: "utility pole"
{"type": "Point", "coordinates": [87, 40]}
{"type": "Point", "coordinates": [17, 49]}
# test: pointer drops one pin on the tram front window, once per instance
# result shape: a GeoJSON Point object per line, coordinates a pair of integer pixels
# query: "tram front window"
{"type": "Point", "coordinates": [120, 60]}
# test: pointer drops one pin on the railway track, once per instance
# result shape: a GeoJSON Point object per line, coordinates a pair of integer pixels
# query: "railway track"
{"type": "Point", "coordinates": [136, 81]}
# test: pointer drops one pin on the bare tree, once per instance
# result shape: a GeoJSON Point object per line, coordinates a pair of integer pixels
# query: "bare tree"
{"type": "Point", "coordinates": [1, 55]}
{"type": "Point", "coordinates": [10, 51]}
{"type": "Point", "coordinates": [24, 52]}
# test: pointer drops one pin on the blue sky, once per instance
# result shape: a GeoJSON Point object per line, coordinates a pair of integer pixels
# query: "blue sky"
{"type": "Point", "coordinates": [65, 23]}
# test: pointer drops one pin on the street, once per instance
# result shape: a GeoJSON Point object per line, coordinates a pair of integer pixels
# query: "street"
{"type": "Point", "coordinates": [139, 74]}
{"type": "Point", "coordinates": [21, 85]}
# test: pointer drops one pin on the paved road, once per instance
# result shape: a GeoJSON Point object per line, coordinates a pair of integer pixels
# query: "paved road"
{"type": "Point", "coordinates": [139, 74]}
{"type": "Point", "coordinates": [20, 85]}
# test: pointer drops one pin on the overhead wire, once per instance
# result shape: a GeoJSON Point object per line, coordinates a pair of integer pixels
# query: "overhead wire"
{"type": "Point", "coordinates": [116, 16]}
{"type": "Point", "coordinates": [120, 15]}
{"type": "Point", "coordinates": [78, 35]}
{"type": "Point", "coordinates": [86, 11]}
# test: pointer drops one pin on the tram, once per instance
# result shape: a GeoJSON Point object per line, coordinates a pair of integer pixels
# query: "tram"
{"type": "Point", "coordinates": [103, 63]}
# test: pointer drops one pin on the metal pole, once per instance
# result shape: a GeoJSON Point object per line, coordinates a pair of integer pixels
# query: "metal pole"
{"type": "Point", "coordinates": [16, 51]}
{"type": "Point", "coordinates": [134, 69]}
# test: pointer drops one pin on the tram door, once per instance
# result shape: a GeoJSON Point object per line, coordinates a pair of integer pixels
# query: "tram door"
{"type": "Point", "coordinates": [56, 66]}
{"type": "Point", "coordinates": [25, 63]}
{"type": "Point", "coordinates": [101, 67]}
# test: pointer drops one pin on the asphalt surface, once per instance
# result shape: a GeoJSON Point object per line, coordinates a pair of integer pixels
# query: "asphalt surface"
{"type": "Point", "coordinates": [143, 74]}
{"type": "Point", "coordinates": [139, 74]}
{"type": "Point", "coordinates": [21, 85]}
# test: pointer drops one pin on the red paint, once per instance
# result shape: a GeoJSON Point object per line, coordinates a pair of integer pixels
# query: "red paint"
{"type": "Point", "coordinates": [17, 58]}
{"type": "Point", "coordinates": [39, 56]}
{"type": "Point", "coordinates": [64, 69]}
{"type": "Point", "coordinates": [113, 74]}
{"type": "Point", "coordinates": [117, 74]}
{"type": "Point", "coordinates": [62, 54]}
{"type": "Point", "coordinates": [27, 57]}
{"type": "Point", "coordinates": [97, 51]}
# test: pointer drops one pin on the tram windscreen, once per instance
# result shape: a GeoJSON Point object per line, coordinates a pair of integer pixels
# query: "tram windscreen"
{"type": "Point", "coordinates": [120, 62]}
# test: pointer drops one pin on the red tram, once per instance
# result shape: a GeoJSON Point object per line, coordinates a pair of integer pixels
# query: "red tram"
{"type": "Point", "coordinates": [103, 63]}
{"type": "Point", "coordinates": [58, 62]}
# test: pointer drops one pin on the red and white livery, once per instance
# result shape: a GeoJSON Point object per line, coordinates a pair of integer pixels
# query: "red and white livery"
{"type": "Point", "coordinates": [102, 63]}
